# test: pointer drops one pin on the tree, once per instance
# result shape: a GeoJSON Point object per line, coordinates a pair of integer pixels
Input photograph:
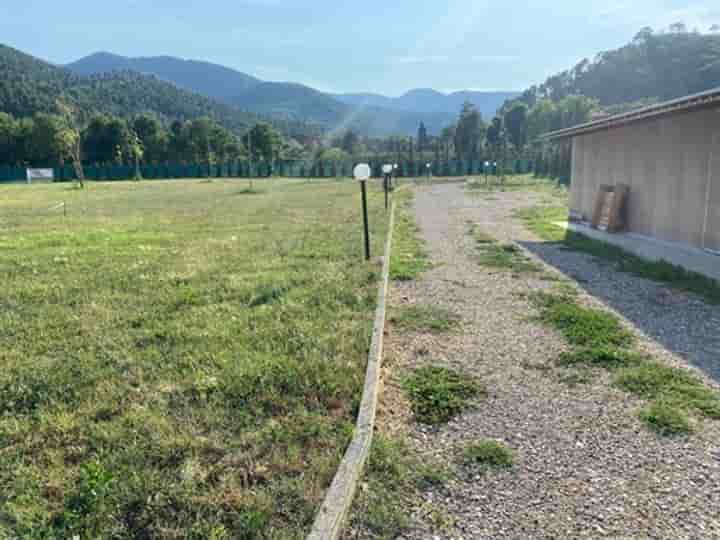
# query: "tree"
{"type": "Point", "coordinates": [332, 154]}
{"type": "Point", "coordinates": [44, 138]}
{"type": "Point", "coordinates": [447, 137]}
{"type": "Point", "coordinates": [105, 138]}
{"type": "Point", "coordinates": [516, 126]}
{"type": "Point", "coordinates": [495, 133]}
{"type": "Point", "coordinates": [153, 137]}
{"type": "Point", "coordinates": [135, 152]}
{"type": "Point", "coordinates": [350, 142]}
{"type": "Point", "coordinates": [8, 138]}
{"type": "Point", "coordinates": [264, 142]}
{"type": "Point", "coordinates": [422, 138]}
{"type": "Point", "coordinates": [70, 139]}
{"type": "Point", "coordinates": [468, 132]}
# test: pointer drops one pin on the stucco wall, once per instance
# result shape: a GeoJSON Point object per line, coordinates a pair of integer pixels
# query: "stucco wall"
{"type": "Point", "coordinates": [672, 166]}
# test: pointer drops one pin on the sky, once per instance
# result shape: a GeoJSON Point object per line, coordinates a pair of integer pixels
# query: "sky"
{"type": "Point", "coordinates": [383, 46]}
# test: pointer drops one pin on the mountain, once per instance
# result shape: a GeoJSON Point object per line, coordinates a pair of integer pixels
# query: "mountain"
{"type": "Point", "coordinates": [297, 102]}
{"type": "Point", "coordinates": [291, 100]}
{"type": "Point", "coordinates": [369, 114]}
{"type": "Point", "coordinates": [428, 100]}
{"type": "Point", "coordinates": [30, 85]}
{"type": "Point", "coordinates": [205, 78]}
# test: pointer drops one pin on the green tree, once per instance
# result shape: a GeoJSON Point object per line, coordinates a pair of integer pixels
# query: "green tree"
{"type": "Point", "coordinates": [8, 139]}
{"type": "Point", "coordinates": [447, 137]}
{"type": "Point", "coordinates": [350, 142]}
{"type": "Point", "coordinates": [69, 139]}
{"type": "Point", "coordinates": [422, 138]}
{"type": "Point", "coordinates": [468, 132]}
{"type": "Point", "coordinates": [264, 142]}
{"type": "Point", "coordinates": [153, 137]}
{"type": "Point", "coordinates": [516, 126]}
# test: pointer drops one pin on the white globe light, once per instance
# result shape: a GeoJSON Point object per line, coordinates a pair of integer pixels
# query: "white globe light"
{"type": "Point", "coordinates": [387, 168]}
{"type": "Point", "coordinates": [362, 172]}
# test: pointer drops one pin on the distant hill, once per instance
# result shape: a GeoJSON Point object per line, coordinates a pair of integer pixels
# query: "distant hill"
{"type": "Point", "coordinates": [211, 80]}
{"type": "Point", "coordinates": [431, 101]}
{"type": "Point", "coordinates": [370, 114]}
{"type": "Point", "coordinates": [297, 102]}
{"type": "Point", "coordinates": [291, 100]}
{"type": "Point", "coordinates": [30, 85]}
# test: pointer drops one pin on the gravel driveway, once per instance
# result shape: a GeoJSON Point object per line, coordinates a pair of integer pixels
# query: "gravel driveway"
{"type": "Point", "coordinates": [585, 465]}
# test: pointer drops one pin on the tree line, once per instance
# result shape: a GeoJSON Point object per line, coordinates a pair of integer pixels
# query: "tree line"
{"type": "Point", "coordinates": [58, 138]}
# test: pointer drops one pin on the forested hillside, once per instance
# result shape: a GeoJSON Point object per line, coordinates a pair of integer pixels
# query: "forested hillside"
{"type": "Point", "coordinates": [211, 80]}
{"type": "Point", "coordinates": [655, 66]}
{"type": "Point", "coordinates": [30, 86]}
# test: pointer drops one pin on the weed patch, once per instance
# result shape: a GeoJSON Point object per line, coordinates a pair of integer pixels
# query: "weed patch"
{"type": "Point", "coordinates": [424, 319]}
{"type": "Point", "coordinates": [670, 385]}
{"type": "Point", "coordinates": [666, 419]}
{"type": "Point", "coordinates": [599, 340]}
{"type": "Point", "coordinates": [581, 326]}
{"type": "Point", "coordinates": [409, 258]}
{"type": "Point", "coordinates": [488, 455]}
{"type": "Point", "coordinates": [438, 394]}
{"type": "Point", "coordinates": [504, 256]}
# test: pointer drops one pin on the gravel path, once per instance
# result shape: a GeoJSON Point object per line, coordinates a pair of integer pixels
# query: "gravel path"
{"type": "Point", "coordinates": [585, 465]}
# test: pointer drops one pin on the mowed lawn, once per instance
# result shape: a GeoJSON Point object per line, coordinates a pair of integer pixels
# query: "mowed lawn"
{"type": "Point", "coordinates": [179, 359]}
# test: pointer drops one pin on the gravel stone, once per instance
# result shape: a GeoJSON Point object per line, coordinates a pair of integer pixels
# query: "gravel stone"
{"type": "Point", "coordinates": [586, 467]}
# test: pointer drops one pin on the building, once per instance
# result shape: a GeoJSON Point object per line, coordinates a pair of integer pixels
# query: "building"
{"type": "Point", "coordinates": [669, 156]}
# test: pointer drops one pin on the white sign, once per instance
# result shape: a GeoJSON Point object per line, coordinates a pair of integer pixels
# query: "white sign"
{"type": "Point", "coordinates": [387, 169]}
{"type": "Point", "coordinates": [45, 175]}
{"type": "Point", "coordinates": [362, 172]}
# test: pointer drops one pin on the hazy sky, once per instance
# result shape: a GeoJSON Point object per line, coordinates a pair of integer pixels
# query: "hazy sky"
{"type": "Point", "coordinates": [386, 46]}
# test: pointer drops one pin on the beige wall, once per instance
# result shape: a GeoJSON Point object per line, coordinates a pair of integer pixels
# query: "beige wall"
{"type": "Point", "coordinates": [672, 166]}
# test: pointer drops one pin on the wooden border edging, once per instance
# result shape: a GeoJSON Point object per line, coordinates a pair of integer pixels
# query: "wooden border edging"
{"type": "Point", "coordinates": [330, 520]}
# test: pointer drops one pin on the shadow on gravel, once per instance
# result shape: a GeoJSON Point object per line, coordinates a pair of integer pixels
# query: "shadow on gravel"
{"type": "Point", "coordinates": [681, 322]}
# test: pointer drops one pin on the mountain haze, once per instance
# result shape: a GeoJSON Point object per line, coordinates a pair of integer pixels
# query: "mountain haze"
{"type": "Point", "coordinates": [428, 100]}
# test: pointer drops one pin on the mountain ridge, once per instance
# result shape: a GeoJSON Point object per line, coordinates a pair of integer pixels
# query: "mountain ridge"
{"type": "Point", "coordinates": [373, 114]}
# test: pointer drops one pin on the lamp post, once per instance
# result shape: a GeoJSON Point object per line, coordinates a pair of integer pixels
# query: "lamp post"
{"type": "Point", "coordinates": [387, 172]}
{"type": "Point", "coordinates": [486, 166]}
{"type": "Point", "coordinates": [362, 173]}
{"type": "Point", "coordinates": [428, 168]}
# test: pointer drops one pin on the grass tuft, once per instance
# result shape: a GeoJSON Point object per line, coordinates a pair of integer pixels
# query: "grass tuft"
{"type": "Point", "coordinates": [504, 256]}
{"type": "Point", "coordinates": [671, 385]}
{"type": "Point", "coordinates": [601, 356]}
{"type": "Point", "coordinates": [437, 394]}
{"type": "Point", "coordinates": [489, 454]}
{"type": "Point", "coordinates": [409, 258]}
{"type": "Point", "coordinates": [666, 419]}
{"type": "Point", "coordinates": [581, 326]}
{"type": "Point", "coordinates": [424, 319]}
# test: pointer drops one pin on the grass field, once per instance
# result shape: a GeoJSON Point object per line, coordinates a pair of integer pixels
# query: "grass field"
{"type": "Point", "coordinates": [180, 359]}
